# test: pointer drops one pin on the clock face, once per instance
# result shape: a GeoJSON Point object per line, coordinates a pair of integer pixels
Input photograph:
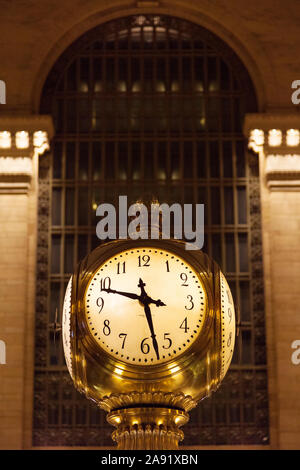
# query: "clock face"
{"type": "Point", "coordinates": [66, 326]}
{"type": "Point", "coordinates": [228, 325]}
{"type": "Point", "coordinates": [145, 306]}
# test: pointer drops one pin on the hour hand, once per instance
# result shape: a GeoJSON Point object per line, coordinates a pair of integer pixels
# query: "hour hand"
{"type": "Point", "coordinates": [130, 295]}
{"type": "Point", "coordinates": [158, 302]}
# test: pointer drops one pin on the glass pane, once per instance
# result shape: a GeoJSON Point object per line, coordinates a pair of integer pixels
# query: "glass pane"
{"type": "Point", "coordinates": [83, 206]}
{"type": "Point", "coordinates": [82, 248]}
{"type": "Point", "coordinates": [175, 161]}
{"type": "Point", "coordinates": [240, 159]}
{"type": "Point", "coordinates": [226, 115]}
{"type": "Point", "coordinates": [67, 414]}
{"type": "Point", "coordinates": [83, 115]}
{"type": "Point", "coordinates": [96, 161]}
{"type": "Point", "coordinates": [54, 352]}
{"type": "Point", "coordinates": [98, 83]}
{"type": "Point", "coordinates": [83, 169]}
{"type": "Point", "coordinates": [54, 300]}
{"type": "Point", "coordinates": [57, 160]}
{"type": "Point", "coordinates": [234, 411]}
{"type": "Point", "coordinates": [242, 205]}
{"type": "Point", "coordinates": [123, 160]}
{"type": "Point", "coordinates": [216, 248]}
{"type": "Point", "coordinates": [162, 160]}
{"type": "Point", "coordinates": [71, 76]}
{"type": "Point", "coordinates": [213, 114]}
{"type": "Point", "coordinates": [243, 252]}
{"type": "Point", "coordinates": [70, 160]}
{"type": "Point", "coordinates": [199, 74]}
{"type": "Point", "coordinates": [174, 74]}
{"type": "Point", "coordinates": [188, 159]}
{"type": "Point", "coordinates": [214, 159]}
{"type": "Point", "coordinates": [225, 76]}
{"type": "Point", "coordinates": [56, 206]}
{"type": "Point", "coordinates": [201, 159]}
{"type": "Point", "coordinates": [84, 75]}
{"type": "Point", "coordinates": [71, 113]}
{"type": "Point", "coordinates": [212, 74]}
{"type": "Point", "coordinates": [136, 160]}
{"type": "Point", "coordinates": [69, 206]}
{"type": "Point", "coordinates": [249, 415]}
{"type": "Point", "coordinates": [227, 160]}
{"type": "Point", "coordinates": [69, 253]}
{"type": "Point", "coordinates": [245, 301]}
{"type": "Point", "coordinates": [221, 413]}
{"type": "Point", "coordinates": [109, 160]}
{"type": "Point", "coordinates": [55, 254]}
{"type": "Point", "coordinates": [230, 252]}
{"type": "Point", "coordinates": [228, 205]}
{"type": "Point", "coordinates": [110, 74]}
{"type": "Point", "coordinates": [246, 347]}
{"type": "Point", "coordinates": [149, 159]}
{"type": "Point", "coordinates": [215, 205]}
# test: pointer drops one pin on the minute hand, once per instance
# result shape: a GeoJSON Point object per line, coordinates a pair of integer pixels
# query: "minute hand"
{"type": "Point", "coordinates": [150, 323]}
{"type": "Point", "coordinates": [125, 294]}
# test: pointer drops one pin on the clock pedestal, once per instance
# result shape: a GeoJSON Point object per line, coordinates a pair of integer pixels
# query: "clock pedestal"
{"type": "Point", "coordinates": [149, 428]}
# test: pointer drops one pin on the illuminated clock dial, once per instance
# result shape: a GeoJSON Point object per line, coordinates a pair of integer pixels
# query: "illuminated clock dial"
{"type": "Point", "coordinates": [145, 306]}
{"type": "Point", "coordinates": [228, 325]}
{"type": "Point", "coordinates": [66, 326]}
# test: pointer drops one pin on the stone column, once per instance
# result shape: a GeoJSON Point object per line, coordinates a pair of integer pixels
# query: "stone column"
{"type": "Point", "coordinates": [23, 140]}
{"type": "Point", "coordinates": [275, 138]}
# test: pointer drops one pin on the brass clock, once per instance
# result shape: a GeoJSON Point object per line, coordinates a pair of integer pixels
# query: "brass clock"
{"type": "Point", "coordinates": [148, 331]}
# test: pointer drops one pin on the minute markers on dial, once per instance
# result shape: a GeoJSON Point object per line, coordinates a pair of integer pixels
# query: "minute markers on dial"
{"type": "Point", "coordinates": [145, 300]}
{"type": "Point", "coordinates": [172, 279]}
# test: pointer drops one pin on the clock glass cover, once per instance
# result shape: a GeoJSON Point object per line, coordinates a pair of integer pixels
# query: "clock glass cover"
{"type": "Point", "coordinates": [145, 306]}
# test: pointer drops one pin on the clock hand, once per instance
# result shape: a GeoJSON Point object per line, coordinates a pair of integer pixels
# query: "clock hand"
{"type": "Point", "coordinates": [150, 323]}
{"type": "Point", "coordinates": [144, 298]}
{"type": "Point", "coordinates": [125, 294]}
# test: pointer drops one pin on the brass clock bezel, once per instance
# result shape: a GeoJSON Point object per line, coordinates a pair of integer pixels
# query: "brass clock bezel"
{"type": "Point", "coordinates": [141, 372]}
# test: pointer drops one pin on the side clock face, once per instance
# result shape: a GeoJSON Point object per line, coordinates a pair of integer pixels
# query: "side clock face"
{"type": "Point", "coordinates": [66, 326]}
{"type": "Point", "coordinates": [228, 325]}
{"type": "Point", "coordinates": [145, 306]}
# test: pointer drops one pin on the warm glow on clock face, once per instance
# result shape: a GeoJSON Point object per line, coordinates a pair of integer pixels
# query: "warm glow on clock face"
{"type": "Point", "coordinates": [228, 325]}
{"type": "Point", "coordinates": [145, 306]}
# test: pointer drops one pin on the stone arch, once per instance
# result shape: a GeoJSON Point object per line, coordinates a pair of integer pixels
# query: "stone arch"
{"type": "Point", "coordinates": [247, 48]}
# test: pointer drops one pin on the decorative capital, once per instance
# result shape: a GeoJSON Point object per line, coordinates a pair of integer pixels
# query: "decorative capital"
{"type": "Point", "coordinates": [147, 428]}
{"type": "Point", "coordinates": [276, 139]}
{"type": "Point", "coordinates": [166, 399]}
{"type": "Point", "coordinates": [22, 138]}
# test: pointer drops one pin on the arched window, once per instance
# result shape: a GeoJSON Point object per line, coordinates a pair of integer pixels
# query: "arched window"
{"type": "Point", "coordinates": [150, 104]}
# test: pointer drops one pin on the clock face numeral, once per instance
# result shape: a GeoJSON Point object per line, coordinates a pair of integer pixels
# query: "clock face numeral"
{"type": "Point", "coordinates": [121, 268]}
{"type": "Point", "coordinates": [124, 336]}
{"type": "Point", "coordinates": [100, 303]}
{"type": "Point", "coordinates": [191, 303]}
{"type": "Point", "coordinates": [183, 277]}
{"type": "Point", "coordinates": [106, 328]}
{"type": "Point", "coordinates": [137, 317]}
{"type": "Point", "coordinates": [229, 298]}
{"type": "Point", "coordinates": [228, 324]}
{"type": "Point", "coordinates": [184, 326]}
{"type": "Point", "coordinates": [145, 348]}
{"type": "Point", "coordinates": [169, 341]}
{"type": "Point", "coordinates": [144, 261]}
{"type": "Point", "coordinates": [229, 314]}
{"type": "Point", "coordinates": [105, 283]}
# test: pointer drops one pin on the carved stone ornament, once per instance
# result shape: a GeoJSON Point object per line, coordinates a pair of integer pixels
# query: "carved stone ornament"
{"type": "Point", "coordinates": [276, 139]}
{"type": "Point", "coordinates": [22, 139]}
